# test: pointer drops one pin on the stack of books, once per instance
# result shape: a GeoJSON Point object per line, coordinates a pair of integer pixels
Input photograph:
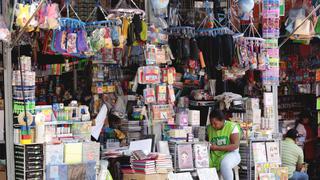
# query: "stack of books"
{"type": "Point", "coordinates": [144, 166]}
{"type": "Point", "coordinates": [139, 155]}
{"type": "Point", "coordinates": [164, 163]}
{"type": "Point", "coordinates": [132, 129]}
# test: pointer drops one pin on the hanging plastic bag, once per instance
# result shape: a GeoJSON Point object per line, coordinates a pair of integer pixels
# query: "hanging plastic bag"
{"type": "Point", "coordinates": [22, 14]}
{"type": "Point", "coordinates": [4, 31]}
{"type": "Point", "coordinates": [104, 172]}
{"type": "Point", "coordinates": [160, 7]}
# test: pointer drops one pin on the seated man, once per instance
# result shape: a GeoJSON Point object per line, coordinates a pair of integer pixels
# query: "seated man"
{"type": "Point", "coordinates": [292, 156]}
{"type": "Point", "coordinates": [225, 139]}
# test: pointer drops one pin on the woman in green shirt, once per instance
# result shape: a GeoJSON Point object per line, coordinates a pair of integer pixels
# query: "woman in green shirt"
{"type": "Point", "coordinates": [224, 137]}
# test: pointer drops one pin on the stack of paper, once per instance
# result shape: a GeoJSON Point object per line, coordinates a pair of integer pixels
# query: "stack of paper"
{"type": "Point", "coordinates": [194, 117]}
{"type": "Point", "coordinates": [164, 163]}
{"type": "Point", "coordinates": [144, 166]}
{"type": "Point", "coordinates": [132, 129]}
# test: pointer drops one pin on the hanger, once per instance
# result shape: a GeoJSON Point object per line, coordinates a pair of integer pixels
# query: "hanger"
{"type": "Point", "coordinates": [71, 23]}
{"type": "Point", "coordinates": [95, 9]}
{"type": "Point", "coordinates": [123, 8]}
{"type": "Point", "coordinates": [68, 6]}
{"type": "Point", "coordinates": [105, 23]}
{"type": "Point", "coordinates": [209, 17]}
{"type": "Point", "coordinates": [217, 30]}
{"type": "Point", "coordinates": [185, 31]}
{"type": "Point", "coordinates": [253, 34]}
{"type": "Point", "coordinates": [214, 31]}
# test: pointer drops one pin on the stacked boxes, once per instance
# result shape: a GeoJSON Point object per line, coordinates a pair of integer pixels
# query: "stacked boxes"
{"type": "Point", "coordinates": [253, 112]}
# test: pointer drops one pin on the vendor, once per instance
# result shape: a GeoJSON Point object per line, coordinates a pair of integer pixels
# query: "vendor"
{"type": "Point", "coordinates": [304, 128]}
{"type": "Point", "coordinates": [224, 138]}
{"type": "Point", "coordinates": [292, 156]}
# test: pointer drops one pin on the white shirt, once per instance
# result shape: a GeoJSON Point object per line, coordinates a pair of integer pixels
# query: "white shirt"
{"type": "Point", "coordinates": [236, 131]}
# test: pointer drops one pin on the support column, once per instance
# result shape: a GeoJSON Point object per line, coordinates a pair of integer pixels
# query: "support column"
{"type": "Point", "coordinates": [8, 110]}
{"type": "Point", "coordinates": [275, 100]}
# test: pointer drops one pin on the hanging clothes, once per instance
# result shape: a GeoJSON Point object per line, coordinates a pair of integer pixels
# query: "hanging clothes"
{"type": "Point", "coordinates": [218, 50]}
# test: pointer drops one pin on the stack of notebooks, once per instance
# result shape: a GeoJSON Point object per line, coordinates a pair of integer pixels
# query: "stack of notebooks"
{"type": "Point", "coordinates": [144, 166]}
{"type": "Point", "coordinates": [164, 163]}
{"type": "Point", "coordinates": [132, 129]}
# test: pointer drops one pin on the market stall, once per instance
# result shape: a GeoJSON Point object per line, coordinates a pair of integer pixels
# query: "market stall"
{"type": "Point", "coordinates": [127, 91]}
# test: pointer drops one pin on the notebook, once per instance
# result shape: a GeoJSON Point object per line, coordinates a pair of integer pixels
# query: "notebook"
{"type": "Point", "coordinates": [77, 171]}
{"type": "Point", "coordinates": [73, 153]}
{"type": "Point", "coordinates": [144, 145]}
{"type": "Point", "coordinates": [185, 156]}
{"type": "Point", "coordinates": [259, 152]}
{"type": "Point", "coordinates": [163, 147]}
{"type": "Point", "coordinates": [273, 152]}
{"type": "Point", "coordinates": [201, 155]}
{"type": "Point", "coordinates": [57, 172]}
{"type": "Point", "coordinates": [54, 154]}
{"type": "Point", "coordinates": [90, 152]}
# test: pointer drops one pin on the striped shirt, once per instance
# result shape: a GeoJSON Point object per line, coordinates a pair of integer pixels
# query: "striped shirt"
{"type": "Point", "coordinates": [291, 155]}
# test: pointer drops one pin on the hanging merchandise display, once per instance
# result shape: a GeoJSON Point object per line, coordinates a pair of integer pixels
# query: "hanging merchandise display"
{"type": "Point", "coordinates": [270, 31]}
{"type": "Point", "coordinates": [4, 31]}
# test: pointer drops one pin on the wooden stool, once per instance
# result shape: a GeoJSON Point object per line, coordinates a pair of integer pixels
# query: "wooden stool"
{"type": "Point", "coordinates": [235, 173]}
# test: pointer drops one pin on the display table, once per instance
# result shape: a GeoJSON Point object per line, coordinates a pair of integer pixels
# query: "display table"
{"type": "Point", "coordinates": [145, 177]}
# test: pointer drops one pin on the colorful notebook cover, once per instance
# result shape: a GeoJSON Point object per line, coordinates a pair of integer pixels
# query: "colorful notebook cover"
{"type": "Point", "coordinates": [201, 155]}
{"type": "Point", "coordinates": [91, 171]}
{"type": "Point", "coordinates": [73, 153]}
{"type": "Point", "coordinates": [185, 156]}
{"type": "Point", "coordinates": [259, 152]}
{"type": "Point", "coordinates": [90, 152]}
{"type": "Point", "coordinates": [54, 154]}
{"type": "Point", "coordinates": [273, 152]}
{"type": "Point", "coordinates": [76, 171]}
{"type": "Point", "coordinates": [281, 173]}
{"type": "Point", "coordinates": [57, 172]}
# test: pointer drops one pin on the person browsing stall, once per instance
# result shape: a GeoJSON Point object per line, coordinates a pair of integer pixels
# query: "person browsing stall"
{"type": "Point", "coordinates": [292, 156]}
{"type": "Point", "coordinates": [224, 137]}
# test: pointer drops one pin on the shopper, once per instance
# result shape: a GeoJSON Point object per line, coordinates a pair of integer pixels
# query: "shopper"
{"type": "Point", "coordinates": [224, 137]}
{"type": "Point", "coordinates": [303, 126]}
{"type": "Point", "coordinates": [292, 156]}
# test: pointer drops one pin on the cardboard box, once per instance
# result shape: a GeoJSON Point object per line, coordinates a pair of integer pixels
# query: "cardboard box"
{"type": "Point", "coordinates": [252, 103]}
{"type": "Point", "coordinates": [254, 116]}
{"type": "Point", "coordinates": [194, 117]}
{"type": "Point", "coordinates": [3, 174]}
{"type": "Point", "coordinates": [145, 177]}
{"type": "Point", "coordinates": [178, 133]}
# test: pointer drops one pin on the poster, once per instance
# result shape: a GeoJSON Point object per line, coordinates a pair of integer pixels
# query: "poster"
{"type": "Point", "coordinates": [201, 155]}
{"type": "Point", "coordinates": [259, 152]}
{"type": "Point", "coordinates": [273, 152]}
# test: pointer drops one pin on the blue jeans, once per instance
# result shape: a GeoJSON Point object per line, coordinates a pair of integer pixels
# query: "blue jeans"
{"type": "Point", "coordinates": [299, 176]}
